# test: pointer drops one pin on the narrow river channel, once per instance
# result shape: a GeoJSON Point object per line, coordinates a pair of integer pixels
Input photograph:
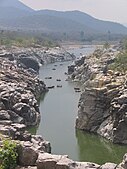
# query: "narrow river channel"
{"type": "Point", "coordinates": [58, 109]}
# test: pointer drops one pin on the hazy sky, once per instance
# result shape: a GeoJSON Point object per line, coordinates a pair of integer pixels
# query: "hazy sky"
{"type": "Point", "coordinates": [114, 10]}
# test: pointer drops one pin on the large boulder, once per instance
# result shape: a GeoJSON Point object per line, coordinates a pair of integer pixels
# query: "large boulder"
{"type": "Point", "coordinates": [40, 144]}
{"type": "Point", "coordinates": [29, 114]}
{"type": "Point", "coordinates": [49, 161]}
{"type": "Point", "coordinates": [4, 115]}
{"type": "Point", "coordinates": [27, 155]}
{"type": "Point", "coordinates": [80, 62]}
{"type": "Point", "coordinates": [108, 166]}
{"type": "Point", "coordinates": [71, 69]}
{"type": "Point", "coordinates": [93, 109]}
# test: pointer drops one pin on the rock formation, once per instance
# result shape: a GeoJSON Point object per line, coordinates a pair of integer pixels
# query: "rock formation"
{"type": "Point", "coordinates": [19, 90]}
{"type": "Point", "coordinates": [40, 55]}
{"type": "Point", "coordinates": [102, 105]}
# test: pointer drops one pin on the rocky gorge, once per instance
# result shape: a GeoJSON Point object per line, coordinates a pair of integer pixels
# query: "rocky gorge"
{"type": "Point", "coordinates": [20, 89]}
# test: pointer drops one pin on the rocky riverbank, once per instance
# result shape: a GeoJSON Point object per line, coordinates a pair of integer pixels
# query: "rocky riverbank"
{"type": "Point", "coordinates": [20, 89]}
{"type": "Point", "coordinates": [102, 105]}
{"type": "Point", "coordinates": [19, 92]}
{"type": "Point", "coordinates": [36, 56]}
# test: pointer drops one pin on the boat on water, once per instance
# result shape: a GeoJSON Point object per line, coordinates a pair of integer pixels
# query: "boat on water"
{"type": "Point", "coordinates": [77, 91]}
{"type": "Point", "coordinates": [59, 86]}
{"type": "Point", "coordinates": [58, 80]}
{"type": "Point", "coordinates": [48, 77]}
{"type": "Point", "coordinates": [76, 88]}
{"type": "Point", "coordinates": [51, 87]}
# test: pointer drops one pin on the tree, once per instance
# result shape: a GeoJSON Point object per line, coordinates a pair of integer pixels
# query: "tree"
{"type": "Point", "coordinates": [82, 35]}
{"type": "Point", "coordinates": [106, 45]}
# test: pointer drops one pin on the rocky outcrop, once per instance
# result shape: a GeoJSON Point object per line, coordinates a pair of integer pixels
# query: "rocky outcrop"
{"type": "Point", "coordinates": [93, 109]}
{"type": "Point", "coordinates": [102, 105]}
{"type": "Point", "coordinates": [19, 90]}
{"type": "Point", "coordinates": [33, 56]}
{"type": "Point", "coordinates": [45, 160]}
{"type": "Point", "coordinates": [29, 62]}
{"type": "Point", "coordinates": [19, 93]}
{"type": "Point", "coordinates": [31, 157]}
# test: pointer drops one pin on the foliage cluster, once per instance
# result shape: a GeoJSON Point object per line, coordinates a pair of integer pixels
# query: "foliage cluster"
{"type": "Point", "coordinates": [106, 45]}
{"type": "Point", "coordinates": [120, 63]}
{"type": "Point", "coordinates": [25, 40]}
{"type": "Point", "coordinates": [8, 155]}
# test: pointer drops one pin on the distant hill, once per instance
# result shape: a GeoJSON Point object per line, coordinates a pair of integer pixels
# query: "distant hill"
{"type": "Point", "coordinates": [87, 20]}
{"type": "Point", "coordinates": [47, 23]}
{"type": "Point", "coordinates": [16, 15]}
{"type": "Point", "coordinates": [11, 9]}
{"type": "Point", "coordinates": [15, 4]}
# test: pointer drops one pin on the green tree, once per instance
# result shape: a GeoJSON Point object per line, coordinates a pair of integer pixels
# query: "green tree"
{"type": "Point", "coordinates": [120, 63]}
{"type": "Point", "coordinates": [106, 45]}
{"type": "Point", "coordinates": [8, 155]}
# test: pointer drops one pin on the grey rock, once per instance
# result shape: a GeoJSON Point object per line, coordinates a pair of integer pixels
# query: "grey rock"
{"type": "Point", "coordinates": [108, 166]}
{"type": "Point", "coordinates": [92, 108]}
{"type": "Point", "coordinates": [48, 161]}
{"type": "Point", "coordinates": [4, 115]}
{"type": "Point", "coordinates": [29, 62]}
{"type": "Point", "coordinates": [27, 155]}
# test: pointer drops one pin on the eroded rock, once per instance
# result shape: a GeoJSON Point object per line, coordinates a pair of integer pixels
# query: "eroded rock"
{"type": "Point", "coordinates": [103, 103]}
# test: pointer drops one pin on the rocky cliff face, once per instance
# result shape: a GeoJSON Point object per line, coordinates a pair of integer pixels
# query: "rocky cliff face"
{"type": "Point", "coordinates": [19, 90]}
{"type": "Point", "coordinates": [102, 105]}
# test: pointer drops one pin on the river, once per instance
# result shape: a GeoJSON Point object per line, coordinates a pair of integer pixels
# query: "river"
{"type": "Point", "coordinates": [59, 108]}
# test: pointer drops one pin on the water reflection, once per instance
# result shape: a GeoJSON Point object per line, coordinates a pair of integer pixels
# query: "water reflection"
{"type": "Point", "coordinates": [97, 149]}
{"type": "Point", "coordinates": [43, 96]}
{"type": "Point", "coordinates": [32, 129]}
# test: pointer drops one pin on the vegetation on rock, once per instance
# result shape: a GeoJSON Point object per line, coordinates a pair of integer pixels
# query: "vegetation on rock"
{"type": "Point", "coordinates": [8, 155]}
{"type": "Point", "coordinates": [106, 45]}
{"type": "Point", "coordinates": [120, 62]}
